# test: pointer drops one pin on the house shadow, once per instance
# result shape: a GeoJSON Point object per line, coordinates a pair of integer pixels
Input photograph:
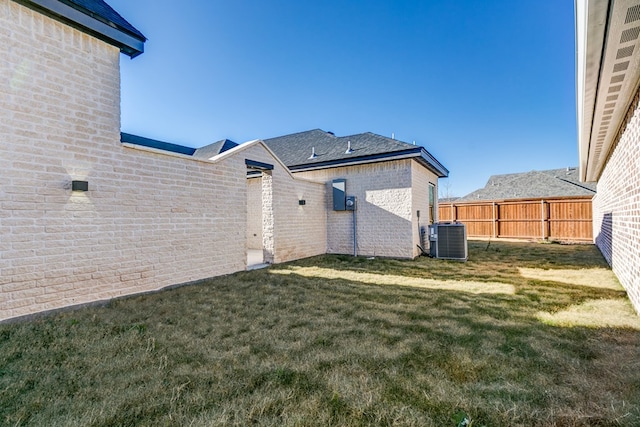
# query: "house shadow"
{"type": "Point", "coordinates": [604, 239]}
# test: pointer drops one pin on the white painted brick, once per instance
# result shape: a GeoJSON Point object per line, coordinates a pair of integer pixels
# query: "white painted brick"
{"type": "Point", "coordinates": [387, 203]}
{"type": "Point", "coordinates": [149, 219]}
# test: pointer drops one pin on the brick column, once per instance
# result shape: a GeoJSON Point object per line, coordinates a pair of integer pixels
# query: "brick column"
{"type": "Point", "coordinates": [267, 218]}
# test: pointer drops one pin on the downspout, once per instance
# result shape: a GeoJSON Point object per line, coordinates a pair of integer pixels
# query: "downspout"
{"type": "Point", "coordinates": [355, 236]}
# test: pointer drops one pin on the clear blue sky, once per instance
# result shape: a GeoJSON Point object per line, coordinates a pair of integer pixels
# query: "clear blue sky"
{"type": "Point", "coordinates": [487, 86]}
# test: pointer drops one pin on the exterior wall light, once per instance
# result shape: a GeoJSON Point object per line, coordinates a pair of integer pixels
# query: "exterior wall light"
{"type": "Point", "coordinates": [302, 202]}
{"type": "Point", "coordinates": [79, 186]}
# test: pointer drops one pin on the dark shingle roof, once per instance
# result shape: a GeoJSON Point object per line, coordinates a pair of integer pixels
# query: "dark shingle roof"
{"type": "Point", "coordinates": [100, 10]}
{"type": "Point", "coordinates": [214, 149]}
{"type": "Point", "coordinates": [94, 17]}
{"type": "Point", "coordinates": [534, 184]}
{"type": "Point", "coordinates": [295, 150]}
{"type": "Point", "coordinates": [154, 143]}
{"type": "Point", "coordinates": [331, 151]}
{"type": "Point", "coordinates": [205, 152]}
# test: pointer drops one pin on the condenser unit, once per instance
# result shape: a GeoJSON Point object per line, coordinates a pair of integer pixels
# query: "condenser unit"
{"type": "Point", "coordinates": [448, 241]}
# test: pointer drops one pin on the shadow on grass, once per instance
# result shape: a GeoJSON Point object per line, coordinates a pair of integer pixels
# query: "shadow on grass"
{"type": "Point", "coordinates": [271, 349]}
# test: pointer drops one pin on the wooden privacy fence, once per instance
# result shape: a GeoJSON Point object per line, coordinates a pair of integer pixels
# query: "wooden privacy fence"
{"type": "Point", "coordinates": [567, 218]}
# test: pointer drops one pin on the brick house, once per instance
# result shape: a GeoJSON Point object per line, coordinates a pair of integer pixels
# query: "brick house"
{"type": "Point", "coordinates": [608, 77]}
{"type": "Point", "coordinates": [150, 214]}
{"type": "Point", "coordinates": [395, 185]}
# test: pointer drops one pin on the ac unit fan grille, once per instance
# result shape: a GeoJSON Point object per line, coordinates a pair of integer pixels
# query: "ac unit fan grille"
{"type": "Point", "coordinates": [449, 241]}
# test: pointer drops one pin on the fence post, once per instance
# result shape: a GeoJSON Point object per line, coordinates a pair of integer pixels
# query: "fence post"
{"type": "Point", "coordinates": [494, 214]}
{"type": "Point", "coordinates": [542, 218]}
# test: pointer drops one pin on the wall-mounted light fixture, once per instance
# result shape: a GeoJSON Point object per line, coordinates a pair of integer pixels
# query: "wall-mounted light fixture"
{"type": "Point", "coordinates": [79, 186]}
{"type": "Point", "coordinates": [302, 202]}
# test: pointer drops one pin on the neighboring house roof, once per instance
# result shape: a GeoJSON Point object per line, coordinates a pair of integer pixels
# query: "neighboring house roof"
{"type": "Point", "coordinates": [93, 17]}
{"type": "Point", "coordinates": [608, 76]}
{"type": "Point", "coordinates": [534, 184]}
{"type": "Point", "coordinates": [317, 149]}
{"type": "Point", "coordinates": [214, 149]}
{"type": "Point", "coordinates": [448, 199]}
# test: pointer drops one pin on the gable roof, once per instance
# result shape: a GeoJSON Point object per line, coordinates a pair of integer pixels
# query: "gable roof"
{"type": "Point", "coordinates": [317, 149]}
{"type": "Point", "coordinates": [93, 17]}
{"type": "Point", "coordinates": [534, 184]}
{"type": "Point", "coordinates": [214, 149]}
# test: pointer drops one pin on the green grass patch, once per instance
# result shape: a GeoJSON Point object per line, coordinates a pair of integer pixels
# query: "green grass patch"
{"type": "Point", "coordinates": [523, 334]}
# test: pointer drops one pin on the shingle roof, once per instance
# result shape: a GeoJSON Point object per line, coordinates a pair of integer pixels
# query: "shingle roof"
{"type": "Point", "coordinates": [214, 149]}
{"type": "Point", "coordinates": [101, 11]}
{"type": "Point", "coordinates": [154, 143]}
{"type": "Point", "coordinates": [94, 17]}
{"type": "Point", "coordinates": [534, 184]}
{"type": "Point", "coordinates": [295, 150]}
{"type": "Point", "coordinates": [331, 151]}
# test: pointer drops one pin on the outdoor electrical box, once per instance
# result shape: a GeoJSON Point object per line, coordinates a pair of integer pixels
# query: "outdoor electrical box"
{"type": "Point", "coordinates": [339, 194]}
{"type": "Point", "coordinates": [351, 203]}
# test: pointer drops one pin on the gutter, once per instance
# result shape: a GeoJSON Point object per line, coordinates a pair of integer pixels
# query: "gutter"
{"type": "Point", "coordinates": [420, 153]}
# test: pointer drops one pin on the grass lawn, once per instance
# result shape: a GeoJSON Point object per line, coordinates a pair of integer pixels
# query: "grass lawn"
{"type": "Point", "coordinates": [523, 334]}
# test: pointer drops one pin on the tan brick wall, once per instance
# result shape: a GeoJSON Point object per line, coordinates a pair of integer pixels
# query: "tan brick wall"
{"type": "Point", "coordinates": [386, 216]}
{"type": "Point", "coordinates": [616, 207]}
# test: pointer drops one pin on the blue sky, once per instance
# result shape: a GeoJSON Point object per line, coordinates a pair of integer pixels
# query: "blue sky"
{"type": "Point", "coordinates": [487, 86]}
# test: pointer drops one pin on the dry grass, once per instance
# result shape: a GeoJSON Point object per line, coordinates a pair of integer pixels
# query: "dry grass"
{"type": "Point", "coordinates": [591, 277]}
{"type": "Point", "coordinates": [467, 286]}
{"type": "Point", "coordinates": [334, 340]}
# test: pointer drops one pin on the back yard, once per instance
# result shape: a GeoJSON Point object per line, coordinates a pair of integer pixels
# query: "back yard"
{"type": "Point", "coordinates": [523, 334]}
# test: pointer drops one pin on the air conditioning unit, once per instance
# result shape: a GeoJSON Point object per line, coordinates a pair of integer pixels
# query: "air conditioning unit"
{"type": "Point", "coordinates": [448, 241]}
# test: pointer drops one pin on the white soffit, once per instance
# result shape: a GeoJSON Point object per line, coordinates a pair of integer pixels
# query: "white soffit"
{"type": "Point", "coordinates": [612, 75]}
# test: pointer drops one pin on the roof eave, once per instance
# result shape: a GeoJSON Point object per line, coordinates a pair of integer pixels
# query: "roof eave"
{"type": "Point", "coordinates": [127, 43]}
{"type": "Point", "coordinates": [590, 32]}
{"type": "Point", "coordinates": [419, 153]}
{"type": "Point", "coordinates": [433, 164]}
{"type": "Point", "coordinates": [607, 78]}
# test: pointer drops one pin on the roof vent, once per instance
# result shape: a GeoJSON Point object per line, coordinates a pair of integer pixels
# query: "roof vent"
{"type": "Point", "coordinates": [349, 150]}
{"type": "Point", "coordinates": [331, 133]}
{"type": "Point", "coordinates": [313, 153]}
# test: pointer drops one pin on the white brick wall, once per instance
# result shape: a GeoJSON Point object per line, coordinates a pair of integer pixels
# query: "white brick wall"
{"type": "Point", "coordinates": [421, 181]}
{"type": "Point", "coordinates": [387, 203]}
{"type": "Point", "coordinates": [149, 219]}
{"type": "Point", "coordinates": [298, 231]}
{"type": "Point", "coordinates": [616, 207]}
{"type": "Point", "coordinates": [254, 213]}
